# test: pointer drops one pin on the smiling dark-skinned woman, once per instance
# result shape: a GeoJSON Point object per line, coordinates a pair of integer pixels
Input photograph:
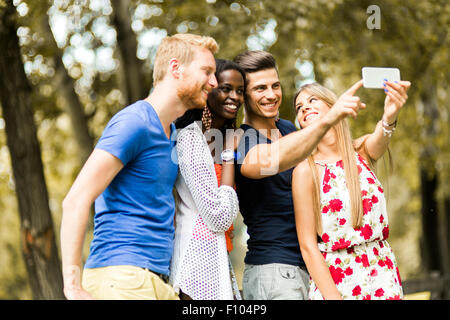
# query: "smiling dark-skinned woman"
{"type": "Point", "coordinates": [206, 200]}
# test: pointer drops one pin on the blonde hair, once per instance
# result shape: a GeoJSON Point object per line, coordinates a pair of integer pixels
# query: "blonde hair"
{"type": "Point", "coordinates": [347, 150]}
{"type": "Point", "coordinates": [182, 47]}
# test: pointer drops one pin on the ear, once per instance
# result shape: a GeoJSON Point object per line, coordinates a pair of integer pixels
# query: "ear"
{"type": "Point", "coordinates": [175, 68]}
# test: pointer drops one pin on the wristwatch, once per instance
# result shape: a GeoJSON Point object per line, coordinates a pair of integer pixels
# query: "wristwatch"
{"type": "Point", "coordinates": [227, 155]}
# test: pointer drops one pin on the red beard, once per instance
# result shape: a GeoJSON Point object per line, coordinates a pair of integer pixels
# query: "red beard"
{"type": "Point", "coordinates": [191, 95]}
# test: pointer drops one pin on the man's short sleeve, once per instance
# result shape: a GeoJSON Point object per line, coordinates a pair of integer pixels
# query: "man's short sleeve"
{"type": "Point", "coordinates": [125, 136]}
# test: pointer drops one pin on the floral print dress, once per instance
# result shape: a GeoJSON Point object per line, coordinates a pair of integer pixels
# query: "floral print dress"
{"type": "Point", "coordinates": [360, 260]}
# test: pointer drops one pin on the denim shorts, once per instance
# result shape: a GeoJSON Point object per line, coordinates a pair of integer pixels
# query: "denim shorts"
{"type": "Point", "coordinates": [275, 281]}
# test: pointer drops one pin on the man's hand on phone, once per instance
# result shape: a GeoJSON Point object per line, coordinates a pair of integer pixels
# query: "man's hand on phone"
{"type": "Point", "coordinates": [346, 105]}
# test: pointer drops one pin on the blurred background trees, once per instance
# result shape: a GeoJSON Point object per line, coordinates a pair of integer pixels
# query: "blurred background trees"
{"type": "Point", "coordinates": [85, 60]}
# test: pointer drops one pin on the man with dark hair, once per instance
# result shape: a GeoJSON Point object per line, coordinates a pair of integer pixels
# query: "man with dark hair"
{"type": "Point", "coordinates": [270, 148]}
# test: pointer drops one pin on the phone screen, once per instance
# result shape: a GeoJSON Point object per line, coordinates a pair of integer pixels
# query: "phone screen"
{"type": "Point", "coordinates": [373, 78]}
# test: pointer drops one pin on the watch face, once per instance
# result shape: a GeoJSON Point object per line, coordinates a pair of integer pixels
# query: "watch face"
{"type": "Point", "coordinates": [227, 155]}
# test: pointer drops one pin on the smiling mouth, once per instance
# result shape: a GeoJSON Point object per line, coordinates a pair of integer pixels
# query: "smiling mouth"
{"type": "Point", "coordinates": [269, 105]}
{"type": "Point", "coordinates": [231, 107]}
{"type": "Point", "coordinates": [308, 116]}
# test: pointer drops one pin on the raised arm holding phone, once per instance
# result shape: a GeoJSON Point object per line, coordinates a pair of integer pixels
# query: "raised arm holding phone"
{"type": "Point", "coordinates": [338, 197]}
{"type": "Point", "coordinates": [287, 151]}
{"type": "Point", "coordinates": [269, 150]}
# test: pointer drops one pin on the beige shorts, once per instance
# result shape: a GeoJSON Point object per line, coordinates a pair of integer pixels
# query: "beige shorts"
{"type": "Point", "coordinates": [126, 283]}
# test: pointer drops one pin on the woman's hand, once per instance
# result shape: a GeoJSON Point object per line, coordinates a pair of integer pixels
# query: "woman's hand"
{"type": "Point", "coordinates": [229, 143]}
{"type": "Point", "coordinates": [377, 142]}
{"type": "Point", "coordinates": [232, 138]}
{"type": "Point", "coordinates": [395, 99]}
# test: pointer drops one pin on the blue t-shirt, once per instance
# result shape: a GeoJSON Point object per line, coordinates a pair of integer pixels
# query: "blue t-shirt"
{"type": "Point", "coordinates": [267, 207]}
{"type": "Point", "coordinates": [133, 223]}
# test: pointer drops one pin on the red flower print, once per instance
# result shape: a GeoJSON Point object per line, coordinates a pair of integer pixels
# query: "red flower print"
{"type": "Point", "coordinates": [389, 263]}
{"type": "Point", "coordinates": [381, 218]}
{"type": "Point", "coordinates": [380, 189]}
{"type": "Point", "coordinates": [385, 232]}
{"type": "Point", "coordinates": [340, 164]}
{"type": "Point", "coordinates": [364, 193]}
{"type": "Point", "coordinates": [368, 297]}
{"type": "Point", "coordinates": [359, 169]}
{"type": "Point", "coordinates": [342, 221]}
{"type": "Point", "coordinates": [337, 274]}
{"type": "Point", "coordinates": [370, 180]}
{"type": "Point", "coordinates": [374, 273]}
{"type": "Point", "coordinates": [366, 231]}
{"type": "Point", "coordinates": [326, 176]}
{"type": "Point", "coordinates": [325, 238]}
{"type": "Point", "coordinates": [326, 188]}
{"type": "Point", "coordinates": [341, 244]}
{"type": "Point", "coordinates": [325, 209]}
{"type": "Point", "coordinates": [379, 293]}
{"type": "Point", "coordinates": [397, 297]}
{"type": "Point", "coordinates": [374, 199]}
{"type": "Point", "coordinates": [356, 291]}
{"type": "Point", "coordinates": [348, 271]}
{"type": "Point", "coordinates": [367, 205]}
{"type": "Point", "coordinates": [364, 259]}
{"type": "Point", "coordinates": [337, 261]}
{"type": "Point", "coordinates": [375, 251]}
{"type": "Point", "coordinates": [350, 250]}
{"type": "Point", "coordinates": [398, 276]}
{"type": "Point", "coordinates": [335, 205]}
{"type": "Point", "coordinates": [381, 263]}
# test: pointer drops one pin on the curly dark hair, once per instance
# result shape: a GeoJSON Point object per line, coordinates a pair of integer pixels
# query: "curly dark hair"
{"type": "Point", "coordinates": [193, 115]}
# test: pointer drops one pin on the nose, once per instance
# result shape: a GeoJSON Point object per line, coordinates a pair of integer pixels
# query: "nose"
{"type": "Point", "coordinates": [305, 108]}
{"type": "Point", "coordinates": [270, 94]}
{"type": "Point", "coordinates": [233, 95]}
{"type": "Point", "coordinates": [213, 81]}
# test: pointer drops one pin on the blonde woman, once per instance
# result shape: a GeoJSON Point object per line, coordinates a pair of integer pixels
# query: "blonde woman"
{"type": "Point", "coordinates": [340, 208]}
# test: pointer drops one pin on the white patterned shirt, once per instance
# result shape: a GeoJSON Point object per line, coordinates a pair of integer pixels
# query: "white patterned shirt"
{"type": "Point", "coordinates": [200, 266]}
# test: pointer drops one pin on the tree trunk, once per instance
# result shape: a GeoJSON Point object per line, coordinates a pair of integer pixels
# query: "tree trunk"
{"type": "Point", "coordinates": [446, 244]}
{"type": "Point", "coordinates": [430, 220]}
{"type": "Point", "coordinates": [132, 67]}
{"type": "Point", "coordinates": [429, 120]}
{"type": "Point", "coordinates": [38, 240]}
{"type": "Point", "coordinates": [73, 105]}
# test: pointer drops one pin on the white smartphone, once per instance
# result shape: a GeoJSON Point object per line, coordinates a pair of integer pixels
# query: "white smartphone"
{"type": "Point", "coordinates": [373, 78]}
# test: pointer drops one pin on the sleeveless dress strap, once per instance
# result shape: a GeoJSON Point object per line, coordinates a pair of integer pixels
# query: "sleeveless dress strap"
{"type": "Point", "coordinates": [320, 163]}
